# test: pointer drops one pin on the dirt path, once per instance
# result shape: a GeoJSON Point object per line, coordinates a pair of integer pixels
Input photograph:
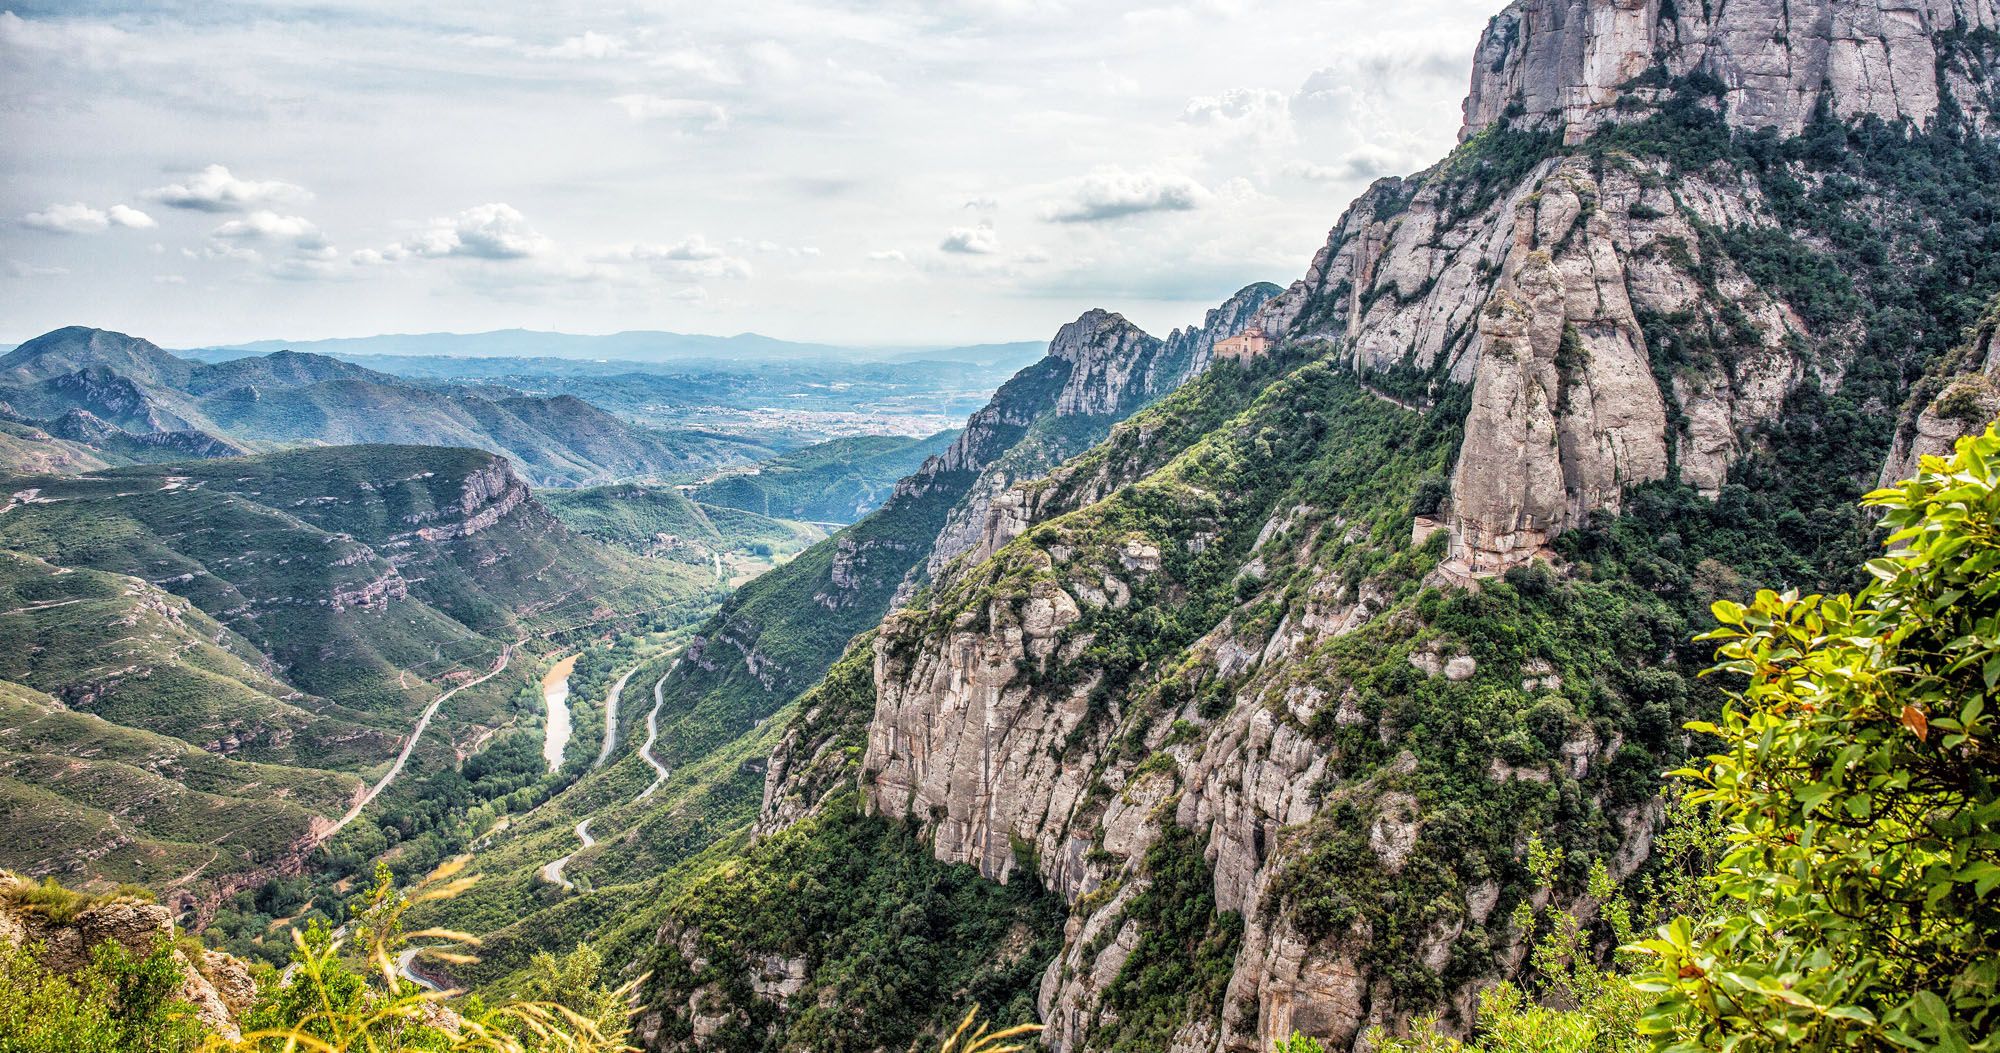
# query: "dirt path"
{"type": "Point", "coordinates": [553, 872]}
{"type": "Point", "coordinates": [506, 655]}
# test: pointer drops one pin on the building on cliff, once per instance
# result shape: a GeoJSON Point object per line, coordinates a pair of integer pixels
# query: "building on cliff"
{"type": "Point", "coordinates": [1250, 343]}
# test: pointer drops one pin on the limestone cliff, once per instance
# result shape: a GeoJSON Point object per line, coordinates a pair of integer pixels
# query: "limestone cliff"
{"type": "Point", "coordinates": [1573, 64]}
{"type": "Point", "coordinates": [1115, 368]}
{"type": "Point", "coordinates": [1233, 650]}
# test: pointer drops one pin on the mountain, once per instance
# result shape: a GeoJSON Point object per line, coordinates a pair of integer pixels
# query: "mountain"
{"type": "Point", "coordinates": [139, 401]}
{"type": "Point", "coordinates": [253, 638]}
{"type": "Point", "coordinates": [1269, 689]}
{"type": "Point", "coordinates": [639, 346]}
{"type": "Point", "coordinates": [837, 481]}
{"type": "Point", "coordinates": [716, 710]}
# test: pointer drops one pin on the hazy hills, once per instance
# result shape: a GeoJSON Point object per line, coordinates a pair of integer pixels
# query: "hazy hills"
{"type": "Point", "coordinates": [133, 391]}
{"type": "Point", "coordinates": [639, 346]}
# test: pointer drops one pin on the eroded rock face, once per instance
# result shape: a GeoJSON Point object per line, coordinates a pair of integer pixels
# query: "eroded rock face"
{"type": "Point", "coordinates": [1566, 63]}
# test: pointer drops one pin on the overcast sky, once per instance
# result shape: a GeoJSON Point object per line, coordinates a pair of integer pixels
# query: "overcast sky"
{"type": "Point", "coordinates": [205, 171]}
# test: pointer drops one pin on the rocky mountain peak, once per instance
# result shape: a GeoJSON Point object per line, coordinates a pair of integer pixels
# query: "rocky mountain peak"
{"type": "Point", "coordinates": [1574, 64]}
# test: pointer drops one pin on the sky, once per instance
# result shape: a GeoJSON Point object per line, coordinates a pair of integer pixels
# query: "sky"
{"type": "Point", "coordinates": [892, 173]}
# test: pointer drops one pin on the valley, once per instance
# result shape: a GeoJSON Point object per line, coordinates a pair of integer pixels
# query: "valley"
{"type": "Point", "coordinates": [1560, 619]}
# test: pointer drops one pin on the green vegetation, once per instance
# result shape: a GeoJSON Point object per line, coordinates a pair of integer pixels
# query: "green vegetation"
{"type": "Point", "coordinates": [119, 1003]}
{"type": "Point", "coordinates": [1181, 967]}
{"type": "Point", "coordinates": [838, 481]}
{"type": "Point", "coordinates": [1857, 781]}
{"type": "Point", "coordinates": [883, 938]}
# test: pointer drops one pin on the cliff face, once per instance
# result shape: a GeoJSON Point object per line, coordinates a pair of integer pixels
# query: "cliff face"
{"type": "Point", "coordinates": [1567, 63]}
{"type": "Point", "coordinates": [1218, 659]}
{"type": "Point", "coordinates": [1549, 288]}
{"type": "Point", "coordinates": [1114, 369]}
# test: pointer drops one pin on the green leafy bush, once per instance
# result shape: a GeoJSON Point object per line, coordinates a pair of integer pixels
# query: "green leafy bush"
{"type": "Point", "coordinates": [1858, 779]}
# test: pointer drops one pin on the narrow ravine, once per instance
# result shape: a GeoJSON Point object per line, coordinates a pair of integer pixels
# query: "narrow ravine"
{"type": "Point", "coordinates": [653, 734]}
{"type": "Point", "coordinates": [611, 717]}
{"type": "Point", "coordinates": [555, 694]}
{"type": "Point", "coordinates": [553, 872]}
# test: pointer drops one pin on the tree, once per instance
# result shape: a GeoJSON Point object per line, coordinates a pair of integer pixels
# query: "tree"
{"type": "Point", "coordinates": [1858, 779]}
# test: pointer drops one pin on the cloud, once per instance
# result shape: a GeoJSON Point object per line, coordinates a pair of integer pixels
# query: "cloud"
{"type": "Point", "coordinates": [1243, 113]}
{"type": "Point", "coordinates": [264, 225]}
{"type": "Point", "coordinates": [691, 259]}
{"type": "Point", "coordinates": [1367, 162]}
{"type": "Point", "coordinates": [888, 256]}
{"type": "Point", "coordinates": [214, 189]}
{"type": "Point", "coordinates": [689, 114]}
{"type": "Point", "coordinates": [79, 218]}
{"type": "Point", "coordinates": [1113, 194]}
{"type": "Point", "coordinates": [127, 216]}
{"type": "Point", "coordinates": [493, 231]}
{"type": "Point", "coordinates": [694, 248]}
{"type": "Point", "coordinates": [21, 269]}
{"type": "Point", "coordinates": [588, 45]}
{"type": "Point", "coordinates": [971, 241]}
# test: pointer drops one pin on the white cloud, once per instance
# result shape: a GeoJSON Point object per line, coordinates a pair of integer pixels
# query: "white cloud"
{"type": "Point", "coordinates": [971, 241]}
{"type": "Point", "coordinates": [589, 45]}
{"type": "Point", "coordinates": [689, 114]}
{"type": "Point", "coordinates": [888, 256]}
{"type": "Point", "coordinates": [493, 231]}
{"type": "Point", "coordinates": [22, 269]}
{"type": "Point", "coordinates": [264, 225]}
{"type": "Point", "coordinates": [79, 218]}
{"type": "Point", "coordinates": [127, 216]}
{"type": "Point", "coordinates": [214, 189]}
{"type": "Point", "coordinates": [1257, 114]}
{"type": "Point", "coordinates": [694, 248]}
{"type": "Point", "coordinates": [1115, 193]}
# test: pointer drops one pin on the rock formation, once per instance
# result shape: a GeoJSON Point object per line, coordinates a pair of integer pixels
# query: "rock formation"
{"type": "Point", "coordinates": [1960, 400]}
{"type": "Point", "coordinates": [1569, 63]}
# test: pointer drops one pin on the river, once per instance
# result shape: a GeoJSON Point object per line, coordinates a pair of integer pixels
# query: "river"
{"type": "Point", "coordinates": [555, 692]}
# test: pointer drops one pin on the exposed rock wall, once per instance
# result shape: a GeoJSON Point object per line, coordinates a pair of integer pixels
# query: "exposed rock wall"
{"type": "Point", "coordinates": [1567, 63]}
{"type": "Point", "coordinates": [1115, 369]}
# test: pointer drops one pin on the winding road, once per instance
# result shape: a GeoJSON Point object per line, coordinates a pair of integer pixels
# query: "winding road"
{"type": "Point", "coordinates": [408, 971]}
{"type": "Point", "coordinates": [553, 872]}
{"type": "Point", "coordinates": [506, 654]}
{"type": "Point", "coordinates": [611, 717]}
{"type": "Point", "coordinates": [653, 734]}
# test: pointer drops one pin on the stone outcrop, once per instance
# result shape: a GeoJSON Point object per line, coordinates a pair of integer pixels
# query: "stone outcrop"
{"type": "Point", "coordinates": [1568, 63]}
{"type": "Point", "coordinates": [218, 986]}
{"type": "Point", "coordinates": [1115, 369]}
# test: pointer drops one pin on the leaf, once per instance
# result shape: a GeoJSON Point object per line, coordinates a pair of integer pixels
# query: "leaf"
{"type": "Point", "coordinates": [1914, 719]}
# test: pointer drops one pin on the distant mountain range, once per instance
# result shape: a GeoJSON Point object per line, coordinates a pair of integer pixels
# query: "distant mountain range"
{"type": "Point", "coordinates": [639, 346]}
{"type": "Point", "coordinates": [79, 394]}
